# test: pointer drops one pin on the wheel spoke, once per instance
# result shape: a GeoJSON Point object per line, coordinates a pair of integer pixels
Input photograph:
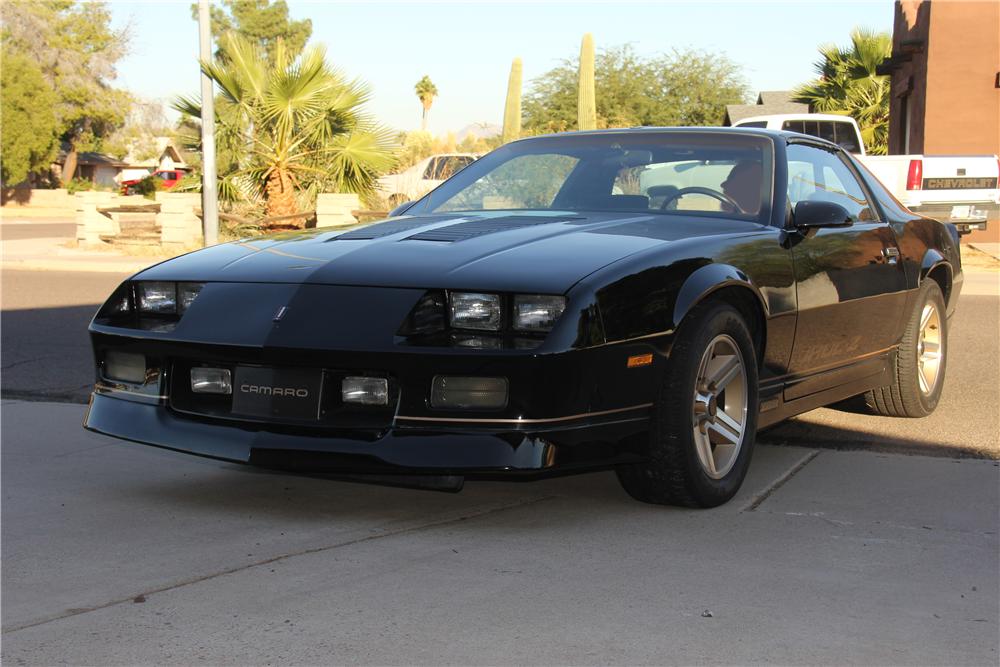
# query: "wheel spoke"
{"type": "Point", "coordinates": [725, 373]}
{"type": "Point", "coordinates": [731, 437]}
{"type": "Point", "coordinates": [704, 447]}
{"type": "Point", "coordinates": [723, 417]}
{"type": "Point", "coordinates": [925, 317]}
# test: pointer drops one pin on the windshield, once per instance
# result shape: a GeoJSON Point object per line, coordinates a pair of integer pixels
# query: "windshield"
{"type": "Point", "coordinates": [670, 173]}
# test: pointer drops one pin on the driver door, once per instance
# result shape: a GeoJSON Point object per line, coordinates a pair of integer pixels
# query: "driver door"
{"type": "Point", "coordinates": [849, 281]}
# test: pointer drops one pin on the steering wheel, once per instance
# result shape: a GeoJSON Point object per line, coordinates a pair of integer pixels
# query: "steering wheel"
{"type": "Point", "coordinates": [698, 190]}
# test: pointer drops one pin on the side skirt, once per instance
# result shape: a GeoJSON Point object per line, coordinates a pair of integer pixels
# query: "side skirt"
{"type": "Point", "coordinates": [864, 375]}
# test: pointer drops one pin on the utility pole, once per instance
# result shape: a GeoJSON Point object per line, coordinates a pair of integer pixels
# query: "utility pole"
{"type": "Point", "coordinates": [209, 196]}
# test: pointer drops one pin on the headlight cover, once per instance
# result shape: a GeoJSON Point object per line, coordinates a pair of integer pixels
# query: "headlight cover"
{"type": "Point", "coordinates": [537, 312]}
{"type": "Point", "coordinates": [474, 310]}
{"type": "Point", "coordinates": [156, 298]}
{"type": "Point", "coordinates": [152, 305]}
{"type": "Point", "coordinates": [165, 298]}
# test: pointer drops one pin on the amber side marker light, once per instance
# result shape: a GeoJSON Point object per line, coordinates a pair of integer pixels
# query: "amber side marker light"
{"type": "Point", "coordinates": [640, 360]}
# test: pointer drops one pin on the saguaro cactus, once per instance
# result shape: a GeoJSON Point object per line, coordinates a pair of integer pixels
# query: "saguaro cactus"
{"type": "Point", "coordinates": [586, 106]}
{"type": "Point", "coordinates": [512, 109]}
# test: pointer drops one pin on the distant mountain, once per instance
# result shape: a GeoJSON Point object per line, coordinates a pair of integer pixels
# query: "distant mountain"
{"type": "Point", "coordinates": [478, 130]}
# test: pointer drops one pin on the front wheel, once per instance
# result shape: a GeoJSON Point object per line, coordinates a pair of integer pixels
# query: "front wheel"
{"type": "Point", "coordinates": [705, 417]}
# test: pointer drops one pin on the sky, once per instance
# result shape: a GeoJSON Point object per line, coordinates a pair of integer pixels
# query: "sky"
{"type": "Point", "coordinates": [466, 47]}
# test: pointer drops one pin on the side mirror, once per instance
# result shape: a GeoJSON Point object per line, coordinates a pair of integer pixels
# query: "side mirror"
{"type": "Point", "coordinates": [813, 214]}
{"type": "Point", "coordinates": [400, 209]}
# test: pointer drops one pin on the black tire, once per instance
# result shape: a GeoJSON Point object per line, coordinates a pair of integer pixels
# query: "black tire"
{"type": "Point", "coordinates": [673, 474]}
{"type": "Point", "coordinates": [904, 397]}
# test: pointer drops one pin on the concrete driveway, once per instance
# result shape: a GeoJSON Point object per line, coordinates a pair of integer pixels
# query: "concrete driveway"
{"type": "Point", "coordinates": [115, 553]}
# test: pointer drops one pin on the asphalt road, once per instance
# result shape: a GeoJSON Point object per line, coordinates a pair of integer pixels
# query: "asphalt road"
{"type": "Point", "coordinates": [44, 347]}
{"type": "Point", "coordinates": [35, 229]}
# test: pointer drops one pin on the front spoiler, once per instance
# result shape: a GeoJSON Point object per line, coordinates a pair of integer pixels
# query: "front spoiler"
{"type": "Point", "coordinates": [395, 451]}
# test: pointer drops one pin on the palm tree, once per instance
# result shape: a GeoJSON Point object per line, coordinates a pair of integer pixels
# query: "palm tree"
{"type": "Point", "coordinates": [290, 125]}
{"type": "Point", "coordinates": [426, 92]}
{"type": "Point", "coordinates": [849, 84]}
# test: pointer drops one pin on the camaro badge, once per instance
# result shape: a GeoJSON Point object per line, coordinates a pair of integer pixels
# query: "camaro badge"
{"type": "Point", "coordinates": [281, 313]}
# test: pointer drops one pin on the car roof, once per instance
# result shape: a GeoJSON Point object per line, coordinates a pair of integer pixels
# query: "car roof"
{"type": "Point", "coordinates": [755, 131]}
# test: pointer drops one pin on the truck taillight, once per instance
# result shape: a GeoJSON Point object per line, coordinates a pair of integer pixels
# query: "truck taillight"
{"type": "Point", "coordinates": [914, 175]}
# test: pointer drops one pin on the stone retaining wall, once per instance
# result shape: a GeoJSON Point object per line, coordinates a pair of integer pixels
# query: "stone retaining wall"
{"type": "Point", "coordinates": [334, 210]}
{"type": "Point", "coordinates": [180, 228]}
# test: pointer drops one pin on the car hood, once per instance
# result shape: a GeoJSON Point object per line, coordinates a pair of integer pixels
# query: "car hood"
{"type": "Point", "coordinates": [544, 252]}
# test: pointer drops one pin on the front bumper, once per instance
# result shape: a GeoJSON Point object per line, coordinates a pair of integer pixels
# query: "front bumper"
{"type": "Point", "coordinates": [579, 408]}
{"type": "Point", "coordinates": [394, 450]}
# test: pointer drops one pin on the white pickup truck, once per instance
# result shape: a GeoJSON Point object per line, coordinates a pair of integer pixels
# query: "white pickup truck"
{"type": "Point", "coordinates": [960, 189]}
{"type": "Point", "coordinates": [422, 177]}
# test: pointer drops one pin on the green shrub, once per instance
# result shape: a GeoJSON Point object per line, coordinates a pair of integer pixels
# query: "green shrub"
{"type": "Point", "coordinates": [79, 185]}
{"type": "Point", "coordinates": [147, 187]}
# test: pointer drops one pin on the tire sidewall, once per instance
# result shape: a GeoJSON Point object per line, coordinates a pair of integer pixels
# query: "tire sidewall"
{"type": "Point", "coordinates": [675, 401]}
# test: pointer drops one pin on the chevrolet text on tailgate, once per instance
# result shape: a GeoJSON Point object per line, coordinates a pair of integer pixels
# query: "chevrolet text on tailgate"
{"type": "Point", "coordinates": [960, 189]}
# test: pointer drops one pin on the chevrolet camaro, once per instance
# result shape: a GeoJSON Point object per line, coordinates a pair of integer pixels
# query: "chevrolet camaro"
{"type": "Point", "coordinates": [643, 300]}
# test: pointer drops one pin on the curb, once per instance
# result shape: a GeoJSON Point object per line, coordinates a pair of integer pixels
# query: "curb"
{"type": "Point", "coordinates": [991, 249]}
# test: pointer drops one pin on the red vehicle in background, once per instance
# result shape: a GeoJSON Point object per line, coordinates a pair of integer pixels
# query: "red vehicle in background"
{"type": "Point", "coordinates": [168, 178]}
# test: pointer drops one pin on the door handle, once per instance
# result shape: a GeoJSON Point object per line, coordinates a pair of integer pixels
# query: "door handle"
{"type": "Point", "coordinates": [891, 254]}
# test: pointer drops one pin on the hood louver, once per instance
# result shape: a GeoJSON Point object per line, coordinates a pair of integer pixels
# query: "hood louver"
{"type": "Point", "coordinates": [466, 230]}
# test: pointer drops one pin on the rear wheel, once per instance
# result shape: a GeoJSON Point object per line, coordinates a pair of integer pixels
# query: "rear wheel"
{"type": "Point", "coordinates": [918, 371]}
{"type": "Point", "coordinates": [705, 418]}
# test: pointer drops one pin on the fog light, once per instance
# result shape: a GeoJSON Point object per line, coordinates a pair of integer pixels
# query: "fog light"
{"type": "Point", "coordinates": [125, 366]}
{"type": "Point", "coordinates": [211, 381]}
{"type": "Point", "coordinates": [469, 393]}
{"type": "Point", "coordinates": [365, 391]}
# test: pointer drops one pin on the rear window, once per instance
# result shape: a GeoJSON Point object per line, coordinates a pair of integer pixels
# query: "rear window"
{"type": "Point", "coordinates": [841, 133]}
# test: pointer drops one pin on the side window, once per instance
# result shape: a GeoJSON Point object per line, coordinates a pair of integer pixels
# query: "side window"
{"type": "Point", "coordinates": [451, 165]}
{"type": "Point", "coordinates": [432, 168]}
{"type": "Point", "coordinates": [754, 123]}
{"type": "Point", "coordinates": [890, 204]}
{"type": "Point", "coordinates": [794, 126]}
{"type": "Point", "coordinates": [815, 174]}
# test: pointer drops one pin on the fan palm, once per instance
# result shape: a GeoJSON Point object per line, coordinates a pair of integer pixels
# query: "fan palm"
{"type": "Point", "coordinates": [849, 84]}
{"type": "Point", "coordinates": [426, 92]}
{"type": "Point", "coordinates": [289, 125]}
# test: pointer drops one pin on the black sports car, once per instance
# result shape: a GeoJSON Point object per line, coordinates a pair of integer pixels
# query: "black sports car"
{"type": "Point", "coordinates": [644, 299]}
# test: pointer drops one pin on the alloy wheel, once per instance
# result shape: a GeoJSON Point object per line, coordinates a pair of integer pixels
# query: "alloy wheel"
{"type": "Point", "coordinates": [929, 350]}
{"type": "Point", "coordinates": [720, 406]}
